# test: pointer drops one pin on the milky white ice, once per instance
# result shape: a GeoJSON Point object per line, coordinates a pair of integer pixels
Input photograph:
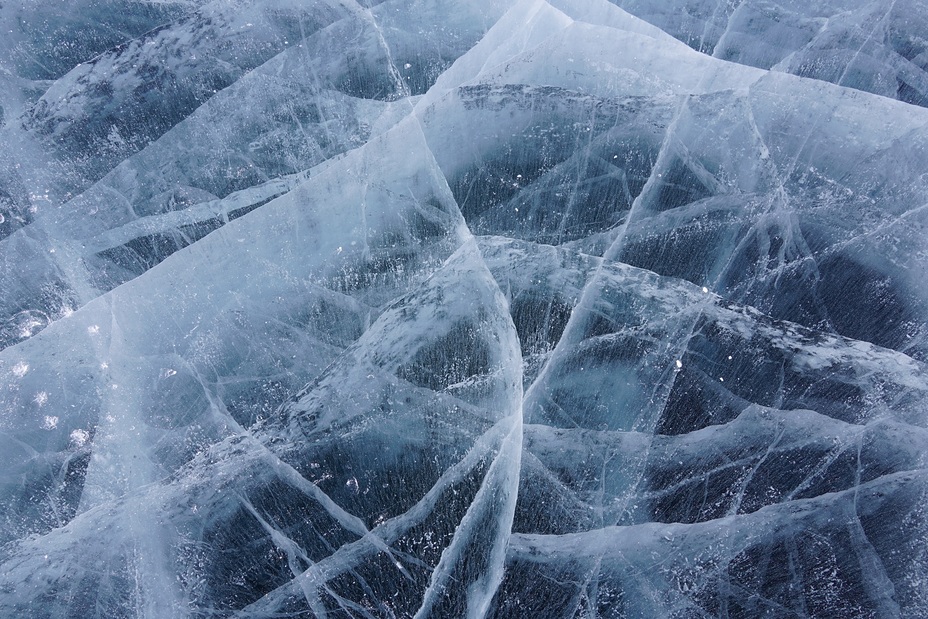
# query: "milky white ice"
{"type": "Point", "coordinates": [463, 308]}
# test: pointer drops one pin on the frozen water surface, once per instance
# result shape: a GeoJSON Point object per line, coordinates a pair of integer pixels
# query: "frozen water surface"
{"type": "Point", "coordinates": [464, 309]}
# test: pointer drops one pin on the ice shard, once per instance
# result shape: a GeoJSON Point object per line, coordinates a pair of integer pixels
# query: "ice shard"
{"type": "Point", "coordinates": [472, 309]}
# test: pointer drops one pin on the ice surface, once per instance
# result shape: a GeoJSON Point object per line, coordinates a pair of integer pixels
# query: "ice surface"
{"type": "Point", "coordinates": [468, 309]}
{"type": "Point", "coordinates": [874, 46]}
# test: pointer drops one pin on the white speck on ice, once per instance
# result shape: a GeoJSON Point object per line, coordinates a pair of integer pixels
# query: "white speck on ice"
{"type": "Point", "coordinates": [93, 329]}
{"type": "Point", "coordinates": [50, 422]}
{"type": "Point", "coordinates": [79, 437]}
{"type": "Point", "coordinates": [679, 363]}
{"type": "Point", "coordinates": [20, 369]}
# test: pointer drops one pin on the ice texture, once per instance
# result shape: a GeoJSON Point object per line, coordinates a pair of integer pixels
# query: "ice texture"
{"type": "Point", "coordinates": [468, 308]}
{"type": "Point", "coordinates": [874, 46]}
